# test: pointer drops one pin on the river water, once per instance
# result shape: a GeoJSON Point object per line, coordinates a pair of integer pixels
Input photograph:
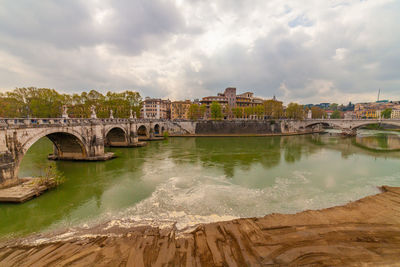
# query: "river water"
{"type": "Point", "coordinates": [206, 179]}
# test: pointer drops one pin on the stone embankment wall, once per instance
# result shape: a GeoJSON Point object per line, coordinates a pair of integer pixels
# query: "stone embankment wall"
{"type": "Point", "coordinates": [237, 127]}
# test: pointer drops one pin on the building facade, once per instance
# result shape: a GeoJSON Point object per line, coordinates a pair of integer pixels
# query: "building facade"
{"type": "Point", "coordinates": [373, 110]}
{"type": "Point", "coordinates": [230, 100]}
{"type": "Point", "coordinates": [155, 108]}
{"type": "Point", "coordinates": [180, 110]}
{"type": "Point", "coordinates": [395, 114]}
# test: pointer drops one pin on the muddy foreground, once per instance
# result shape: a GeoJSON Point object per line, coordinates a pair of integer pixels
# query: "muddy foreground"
{"type": "Point", "coordinates": [362, 233]}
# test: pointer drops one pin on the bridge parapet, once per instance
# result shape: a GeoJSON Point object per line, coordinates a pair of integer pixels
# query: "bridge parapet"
{"type": "Point", "coordinates": [12, 123]}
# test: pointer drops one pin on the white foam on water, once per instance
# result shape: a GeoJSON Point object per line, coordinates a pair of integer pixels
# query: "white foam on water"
{"type": "Point", "coordinates": [191, 200]}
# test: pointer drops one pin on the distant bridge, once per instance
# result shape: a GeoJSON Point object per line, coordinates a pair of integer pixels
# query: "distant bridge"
{"type": "Point", "coordinates": [85, 139]}
{"type": "Point", "coordinates": [346, 125]}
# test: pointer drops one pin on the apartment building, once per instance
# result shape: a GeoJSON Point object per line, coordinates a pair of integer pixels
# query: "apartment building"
{"type": "Point", "coordinates": [180, 110]}
{"type": "Point", "coordinates": [229, 100]}
{"type": "Point", "coordinates": [155, 108]}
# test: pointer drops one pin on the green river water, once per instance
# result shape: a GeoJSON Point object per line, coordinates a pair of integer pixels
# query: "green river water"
{"type": "Point", "coordinates": [195, 180]}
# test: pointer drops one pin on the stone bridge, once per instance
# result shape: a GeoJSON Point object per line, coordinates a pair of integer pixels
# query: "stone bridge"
{"type": "Point", "coordinates": [348, 126]}
{"type": "Point", "coordinates": [75, 139]}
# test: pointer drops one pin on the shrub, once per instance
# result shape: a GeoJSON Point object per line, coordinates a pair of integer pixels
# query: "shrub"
{"type": "Point", "coordinates": [166, 134]}
{"type": "Point", "coordinates": [51, 178]}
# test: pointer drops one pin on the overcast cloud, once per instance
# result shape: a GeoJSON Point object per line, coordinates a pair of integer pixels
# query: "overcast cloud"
{"type": "Point", "coordinates": [305, 51]}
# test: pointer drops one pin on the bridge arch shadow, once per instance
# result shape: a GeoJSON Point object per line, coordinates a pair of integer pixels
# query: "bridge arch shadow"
{"type": "Point", "coordinates": [392, 123]}
{"type": "Point", "coordinates": [320, 123]}
{"type": "Point", "coordinates": [67, 145]}
{"type": "Point", "coordinates": [116, 136]}
{"type": "Point", "coordinates": [142, 132]}
{"type": "Point", "coordinates": [157, 129]}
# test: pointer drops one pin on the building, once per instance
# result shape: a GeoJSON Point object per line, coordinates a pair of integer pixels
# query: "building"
{"type": "Point", "coordinates": [324, 105]}
{"type": "Point", "coordinates": [373, 110]}
{"type": "Point", "coordinates": [349, 107]}
{"type": "Point", "coordinates": [395, 114]}
{"type": "Point", "coordinates": [309, 114]}
{"type": "Point", "coordinates": [155, 108]}
{"type": "Point", "coordinates": [180, 110]}
{"type": "Point", "coordinates": [229, 100]}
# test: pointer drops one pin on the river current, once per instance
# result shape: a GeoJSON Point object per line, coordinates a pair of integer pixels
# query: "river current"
{"type": "Point", "coordinates": [206, 179]}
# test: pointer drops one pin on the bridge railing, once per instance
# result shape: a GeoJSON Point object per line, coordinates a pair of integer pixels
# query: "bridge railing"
{"type": "Point", "coordinates": [353, 119]}
{"type": "Point", "coordinates": [40, 122]}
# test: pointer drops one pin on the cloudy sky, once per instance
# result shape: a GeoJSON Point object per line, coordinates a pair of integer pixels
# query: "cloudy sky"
{"type": "Point", "coordinates": [304, 51]}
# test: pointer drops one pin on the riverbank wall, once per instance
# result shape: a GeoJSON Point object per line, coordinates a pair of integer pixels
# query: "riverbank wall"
{"type": "Point", "coordinates": [237, 128]}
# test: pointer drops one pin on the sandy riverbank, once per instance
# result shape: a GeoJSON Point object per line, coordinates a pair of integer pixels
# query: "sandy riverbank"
{"type": "Point", "coordinates": [365, 232]}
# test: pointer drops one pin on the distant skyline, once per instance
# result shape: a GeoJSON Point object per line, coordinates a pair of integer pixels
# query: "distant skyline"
{"type": "Point", "coordinates": [303, 51]}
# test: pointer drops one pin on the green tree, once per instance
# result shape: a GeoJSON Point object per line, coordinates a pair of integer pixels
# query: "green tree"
{"type": "Point", "coordinates": [317, 113]}
{"type": "Point", "coordinates": [193, 112]}
{"type": "Point", "coordinates": [333, 106]}
{"type": "Point", "coordinates": [196, 111]}
{"type": "Point", "coordinates": [44, 102]}
{"type": "Point", "coordinates": [387, 113]}
{"type": "Point", "coordinates": [259, 110]}
{"type": "Point", "coordinates": [202, 111]}
{"type": "Point", "coordinates": [216, 111]}
{"type": "Point", "coordinates": [237, 112]}
{"type": "Point", "coordinates": [248, 111]}
{"type": "Point", "coordinates": [273, 108]}
{"type": "Point", "coordinates": [336, 115]}
{"type": "Point", "coordinates": [295, 111]}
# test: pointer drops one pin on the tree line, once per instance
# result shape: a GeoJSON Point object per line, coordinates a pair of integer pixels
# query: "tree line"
{"type": "Point", "coordinates": [47, 103]}
{"type": "Point", "coordinates": [271, 109]}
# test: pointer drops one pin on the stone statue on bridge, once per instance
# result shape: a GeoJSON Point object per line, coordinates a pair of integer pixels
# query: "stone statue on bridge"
{"type": "Point", "coordinates": [65, 111]}
{"type": "Point", "coordinates": [111, 114]}
{"type": "Point", "coordinates": [93, 112]}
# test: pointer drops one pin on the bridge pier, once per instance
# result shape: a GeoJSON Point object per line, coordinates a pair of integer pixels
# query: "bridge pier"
{"type": "Point", "coordinates": [7, 169]}
{"type": "Point", "coordinates": [349, 132]}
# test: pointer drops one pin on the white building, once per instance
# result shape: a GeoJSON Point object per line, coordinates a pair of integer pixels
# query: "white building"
{"type": "Point", "coordinates": [395, 114]}
{"type": "Point", "coordinates": [155, 108]}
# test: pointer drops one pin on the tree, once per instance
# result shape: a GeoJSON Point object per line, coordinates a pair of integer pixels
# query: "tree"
{"type": "Point", "coordinates": [333, 106]}
{"type": "Point", "coordinates": [44, 102]}
{"type": "Point", "coordinates": [216, 111]}
{"type": "Point", "coordinates": [386, 113]}
{"type": "Point", "coordinates": [237, 112]}
{"type": "Point", "coordinates": [273, 108]}
{"type": "Point", "coordinates": [196, 112]}
{"type": "Point", "coordinates": [259, 110]}
{"type": "Point", "coordinates": [295, 111]}
{"type": "Point", "coordinates": [317, 113]}
{"type": "Point", "coordinates": [336, 115]}
{"type": "Point", "coordinates": [248, 111]}
{"type": "Point", "coordinates": [202, 111]}
{"type": "Point", "coordinates": [193, 112]}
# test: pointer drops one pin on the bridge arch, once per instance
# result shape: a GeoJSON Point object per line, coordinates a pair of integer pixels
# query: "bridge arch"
{"type": "Point", "coordinates": [68, 144]}
{"type": "Point", "coordinates": [142, 131]}
{"type": "Point", "coordinates": [116, 136]}
{"type": "Point", "coordinates": [356, 126]}
{"type": "Point", "coordinates": [156, 129]}
{"type": "Point", "coordinates": [318, 123]}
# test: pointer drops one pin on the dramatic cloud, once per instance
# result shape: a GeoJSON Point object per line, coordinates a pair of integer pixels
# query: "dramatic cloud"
{"type": "Point", "coordinates": [304, 51]}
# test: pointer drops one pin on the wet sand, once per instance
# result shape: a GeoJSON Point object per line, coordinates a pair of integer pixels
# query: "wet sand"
{"type": "Point", "coordinates": [362, 233]}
